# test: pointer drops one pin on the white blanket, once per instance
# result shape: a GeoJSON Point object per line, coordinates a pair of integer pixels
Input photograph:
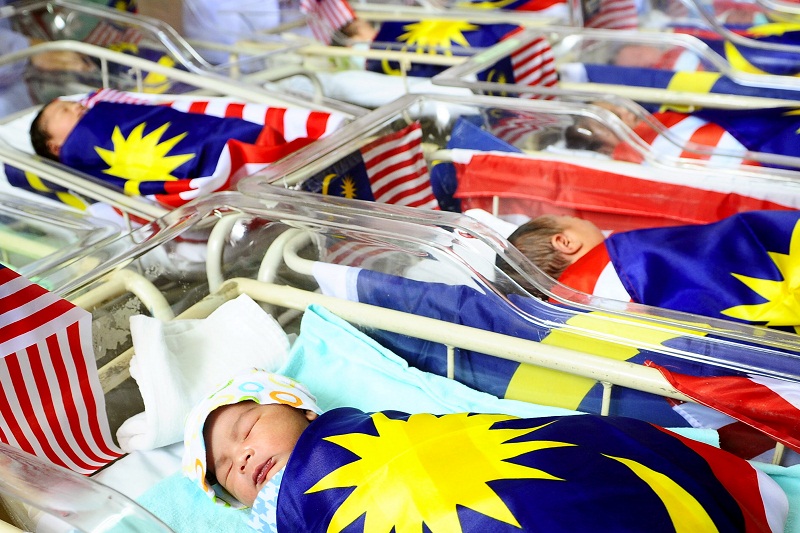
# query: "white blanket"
{"type": "Point", "coordinates": [178, 362]}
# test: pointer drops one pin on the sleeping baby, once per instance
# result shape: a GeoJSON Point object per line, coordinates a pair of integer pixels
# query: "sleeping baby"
{"type": "Point", "coordinates": [261, 440]}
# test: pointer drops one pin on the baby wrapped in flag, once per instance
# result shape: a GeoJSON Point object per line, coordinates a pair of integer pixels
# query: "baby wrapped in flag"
{"type": "Point", "coordinates": [262, 439]}
{"type": "Point", "coordinates": [742, 268]}
{"type": "Point", "coordinates": [167, 153]}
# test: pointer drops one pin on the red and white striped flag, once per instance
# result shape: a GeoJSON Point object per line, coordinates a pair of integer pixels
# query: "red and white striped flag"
{"type": "Point", "coordinates": [612, 15]}
{"type": "Point", "coordinates": [533, 64]}
{"type": "Point", "coordinates": [398, 173]}
{"type": "Point", "coordinates": [770, 405]}
{"type": "Point", "coordinates": [326, 17]}
{"type": "Point", "coordinates": [106, 34]}
{"type": "Point", "coordinates": [291, 123]}
{"type": "Point", "coordinates": [51, 403]}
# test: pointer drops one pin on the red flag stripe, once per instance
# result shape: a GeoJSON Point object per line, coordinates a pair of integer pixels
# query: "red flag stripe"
{"type": "Point", "coordinates": [657, 198]}
{"type": "Point", "coordinates": [746, 400]}
{"type": "Point", "coordinates": [754, 493]}
{"type": "Point", "coordinates": [46, 419]}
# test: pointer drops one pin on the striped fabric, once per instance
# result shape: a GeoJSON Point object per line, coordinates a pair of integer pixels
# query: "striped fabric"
{"type": "Point", "coordinates": [106, 34]}
{"type": "Point", "coordinates": [397, 169]}
{"type": "Point", "coordinates": [534, 64]}
{"type": "Point", "coordinates": [291, 123]}
{"type": "Point", "coordinates": [51, 403]}
{"type": "Point", "coordinates": [325, 17]}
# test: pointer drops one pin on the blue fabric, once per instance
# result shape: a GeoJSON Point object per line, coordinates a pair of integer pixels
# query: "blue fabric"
{"type": "Point", "coordinates": [694, 268]}
{"type": "Point", "coordinates": [460, 304]}
{"type": "Point", "coordinates": [180, 504]}
{"type": "Point", "coordinates": [553, 474]}
{"type": "Point", "coordinates": [459, 38]}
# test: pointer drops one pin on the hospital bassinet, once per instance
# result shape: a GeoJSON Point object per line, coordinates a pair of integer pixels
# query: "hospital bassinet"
{"type": "Point", "coordinates": [272, 248]}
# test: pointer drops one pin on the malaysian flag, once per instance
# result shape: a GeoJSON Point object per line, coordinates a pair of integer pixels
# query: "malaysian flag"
{"type": "Point", "coordinates": [610, 14]}
{"type": "Point", "coordinates": [532, 65]}
{"type": "Point", "coordinates": [106, 34]}
{"type": "Point", "coordinates": [51, 404]}
{"type": "Point", "coordinates": [770, 405]}
{"type": "Point", "coordinates": [398, 173]}
{"type": "Point", "coordinates": [292, 123]}
{"type": "Point", "coordinates": [326, 17]}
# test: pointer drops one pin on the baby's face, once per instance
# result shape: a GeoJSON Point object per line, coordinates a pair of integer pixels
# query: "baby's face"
{"type": "Point", "coordinates": [59, 119]}
{"type": "Point", "coordinates": [248, 443]}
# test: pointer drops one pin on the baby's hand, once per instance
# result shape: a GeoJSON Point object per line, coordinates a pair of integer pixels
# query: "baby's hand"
{"type": "Point", "coordinates": [62, 60]}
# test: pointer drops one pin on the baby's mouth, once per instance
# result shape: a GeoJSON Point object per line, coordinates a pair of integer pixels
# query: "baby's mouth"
{"type": "Point", "coordinates": [260, 474]}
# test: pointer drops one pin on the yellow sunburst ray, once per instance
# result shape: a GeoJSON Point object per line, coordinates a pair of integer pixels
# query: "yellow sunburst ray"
{"type": "Point", "coordinates": [437, 34]}
{"type": "Point", "coordinates": [417, 453]}
{"type": "Point", "coordinates": [142, 157]}
{"type": "Point", "coordinates": [782, 307]}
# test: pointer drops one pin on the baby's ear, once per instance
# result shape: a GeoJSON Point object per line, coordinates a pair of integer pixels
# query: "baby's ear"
{"type": "Point", "coordinates": [311, 415]}
{"type": "Point", "coordinates": [54, 147]}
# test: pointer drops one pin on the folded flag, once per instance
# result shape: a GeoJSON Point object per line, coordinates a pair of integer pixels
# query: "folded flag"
{"type": "Point", "coordinates": [167, 155]}
{"type": "Point", "coordinates": [770, 405]}
{"type": "Point", "coordinates": [602, 190]}
{"type": "Point", "coordinates": [531, 65]}
{"type": "Point", "coordinates": [352, 470]}
{"type": "Point", "coordinates": [51, 404]}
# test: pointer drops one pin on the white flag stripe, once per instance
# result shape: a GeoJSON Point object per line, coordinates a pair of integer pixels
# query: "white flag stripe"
{"type": "Point", "coordinates": [771, 493]}
{"type": "Point", "coordinates": [27, 337]}
{"type": "Point", "coordinates": [790, 392]}
{"type": "Point", "coordinates": [16, 410]}
{"type": "Point", "coordinates": [408, 141]}
{"type": "Point", "coordinates": [295, 124]}
{"type": "Point", "coordinates": [40, 416]}
{"type": "Point", "coordinates": [414, 164]}
{"type": "Point", "coordinates": [417, 167]}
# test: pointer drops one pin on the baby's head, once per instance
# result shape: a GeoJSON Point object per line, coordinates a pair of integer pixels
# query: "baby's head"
{"type": "Point", "coordinates": [52, 126]}
{"type": "Point", "coordinates": [552, 243]}
{"type": "Point", "coordinates": [242, 435]}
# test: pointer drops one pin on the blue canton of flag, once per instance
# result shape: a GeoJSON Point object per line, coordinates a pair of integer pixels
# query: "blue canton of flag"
{"type": "Point", "coordinates": [353, 471]}
{"type": "Point", "coordinates": [346, 178]}
{"type": "Point", "coordinates": [743, 268]}
{"type": "Point", "coordinates": [433, 37]}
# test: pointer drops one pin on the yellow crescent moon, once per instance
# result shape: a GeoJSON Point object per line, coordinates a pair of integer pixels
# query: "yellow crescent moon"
{"type": "Point", "coordinates": [687, 514]}
{"type": "Point", "coordinates": [326, 181]}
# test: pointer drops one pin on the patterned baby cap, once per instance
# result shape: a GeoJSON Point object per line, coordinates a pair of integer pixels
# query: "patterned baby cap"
{"type": "Point", "coordinates": [255, 385]}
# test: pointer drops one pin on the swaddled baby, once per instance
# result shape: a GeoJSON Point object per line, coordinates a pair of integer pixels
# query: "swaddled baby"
{"type": "Point", "coordinates": [261, 437]}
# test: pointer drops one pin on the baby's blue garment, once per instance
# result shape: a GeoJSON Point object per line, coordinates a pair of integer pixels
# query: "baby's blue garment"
{"type": "Point", "coordinates": [180, 504]}
{"type": "Point", "coordinates": [264, 513]}
{"type": "Point", "coordinates": [342, 367]}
